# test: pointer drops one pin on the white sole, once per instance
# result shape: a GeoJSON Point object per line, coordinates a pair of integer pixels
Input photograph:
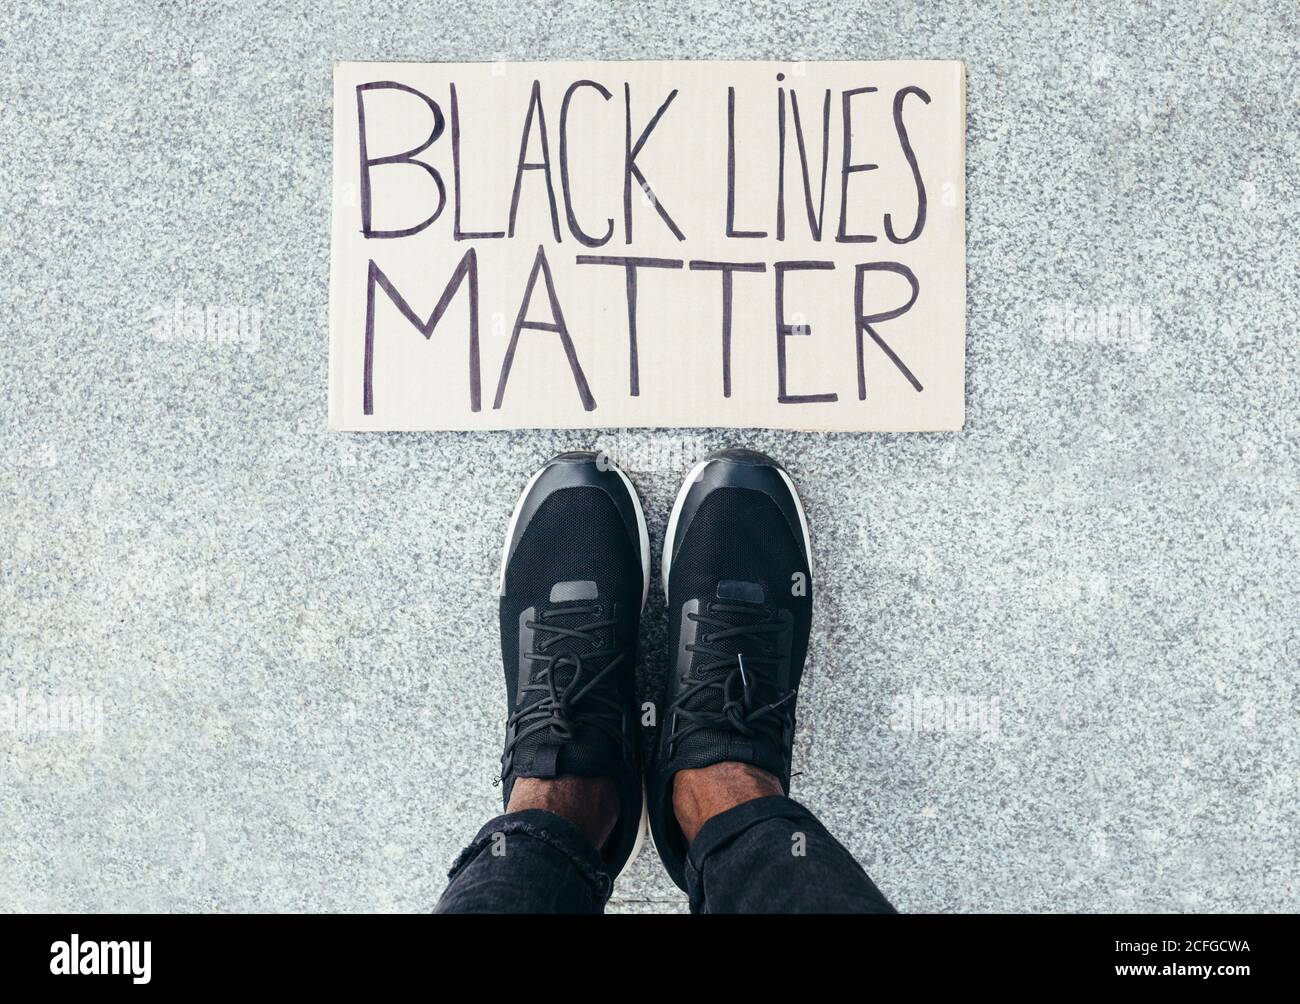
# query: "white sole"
{"type": "Point", "coordinates": [671, 533]}
{"type": "Point", "coordinates": [510, 530]}
{"type": "Point", "coordinates": [643, 539]}
{"type": "Point", "coordinates": [642, 833]}
{"type": "Point", "coordinates": [803, 519]}
{"type": "Point", "coordinates": [643, 534]}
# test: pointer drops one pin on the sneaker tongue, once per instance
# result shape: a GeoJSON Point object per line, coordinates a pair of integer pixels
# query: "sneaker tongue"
{"type": "Point", "coordinates": [713, 744]}
{"type": "Point", "coordinates": [573, 616]}
{"type": "Point", "coordinates": [738, 604]}
{"type": "Point", "coordinates": [590, 751]}
{"type": "Point", "coordinates": [733, 615]}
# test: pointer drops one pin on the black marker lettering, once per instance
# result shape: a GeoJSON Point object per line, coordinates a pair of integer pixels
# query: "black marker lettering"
{"type": "Point", "coordinates": [544, 165]}
{"type": "Point", "coordinates": [731, 172]}
{"type": "Point", "coordinates": [408, 157]}
{"type": "Point", "coordinates": [814, 219]}
{"type": "Point", "coordinates": [375, 277]}
{"type": "Point", "coordinates": [849, 168]}
{"type": "Point", "coordinates": [457, 234]}
{"type": "Point", "coordinates": [780, 163]}
{"type": "Point", "coordinates": [556, 325]}
{"type": "Point", "coordinates": [864, 322]}
{"type": "Point", "coordinates": [577, 231]}
{"type": "Point", "coordinates": [727, 268]}
{"type": "Point", "coordinates": [784, 330]}
{"type": "Point", "coordinates": [630, 265]}
{"type": "Point", "coordinates": [630, 170]}
{"type": "Point", "coordinates": [911, 162]}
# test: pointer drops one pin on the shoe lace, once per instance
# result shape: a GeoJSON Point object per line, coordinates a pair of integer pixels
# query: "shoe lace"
{"type": "Point", "coordinates": [727, 676]}
{"type": "Point", "coordinates": [569, 699]}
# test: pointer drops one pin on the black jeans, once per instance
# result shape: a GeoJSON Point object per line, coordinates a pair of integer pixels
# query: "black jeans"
{"type": "Point", "coordinates": [770, 855]}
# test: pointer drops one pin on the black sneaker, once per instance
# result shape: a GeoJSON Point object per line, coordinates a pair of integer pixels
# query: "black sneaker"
{"type": "Point", "coordinates": [574, 577]}
{"type": "Point", "coordinates": [739, 586]}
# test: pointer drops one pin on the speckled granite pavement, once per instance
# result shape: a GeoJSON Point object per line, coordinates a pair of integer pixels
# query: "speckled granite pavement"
{"type": "Point", "coordinates": [249, 665]}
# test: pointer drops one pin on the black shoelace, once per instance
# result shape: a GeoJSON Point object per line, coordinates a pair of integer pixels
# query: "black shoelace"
{"type": "Point", "coordinates": [576, 700]}
{"type": "Point", "coordinates": [731, 676]}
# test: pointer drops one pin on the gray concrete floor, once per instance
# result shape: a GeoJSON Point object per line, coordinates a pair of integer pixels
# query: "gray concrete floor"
{"type": "Point", "coordinates": [249, 665]}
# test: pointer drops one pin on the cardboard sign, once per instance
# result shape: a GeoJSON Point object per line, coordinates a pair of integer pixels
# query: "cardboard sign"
{"type": "Point", "coordinates": [583, 245]}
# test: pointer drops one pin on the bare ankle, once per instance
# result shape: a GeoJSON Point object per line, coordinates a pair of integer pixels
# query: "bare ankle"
{"type": "Point", "coordinates": [702, 793]}
{"type": "Point", "coordinates": [590, 803]}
